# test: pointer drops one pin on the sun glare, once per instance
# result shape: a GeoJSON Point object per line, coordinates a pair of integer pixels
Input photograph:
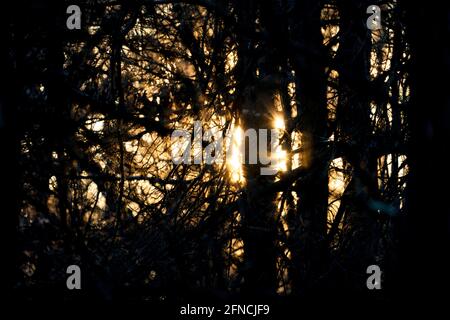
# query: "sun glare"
{"type": "Point", "coordinates": [234, 159]}
{"type": "Point", "coordinates": [279, 122]}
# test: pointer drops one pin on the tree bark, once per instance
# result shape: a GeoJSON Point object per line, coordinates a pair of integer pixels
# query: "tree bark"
{"type": "Point", "coordinates": [309, 226]}
{"type": "Point", "coordinates": [425, 242]}
{"type": "Point", "coordinates": [257, 211]}
{"type": "Point", "coordinates": [355, 130]}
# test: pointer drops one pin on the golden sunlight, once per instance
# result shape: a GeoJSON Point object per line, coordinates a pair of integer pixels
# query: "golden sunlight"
{"type": "Point", "coordinates": [234, 159]}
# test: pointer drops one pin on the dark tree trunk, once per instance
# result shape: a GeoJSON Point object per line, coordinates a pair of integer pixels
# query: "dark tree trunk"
{"type": "Point", "coordinates": [425, 246]}
{"type": "Point", "coordinates": [258, 209]}
{"type": "Point", "coordinates": [309, 226]}
{"type": "Point", "coordinates": [9, 159]}
{"type": "Point", "coordinates": [356, 133]}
